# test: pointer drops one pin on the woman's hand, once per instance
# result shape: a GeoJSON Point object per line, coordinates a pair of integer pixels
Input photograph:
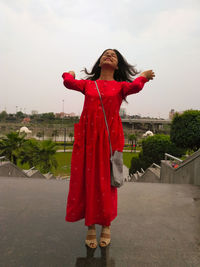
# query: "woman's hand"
{"type": "Point", "coordinates": [69, 72]}
{"type": "Point", "coordinates": [72, 73]}
{"type": "Point", "coordinates": [148, 74]}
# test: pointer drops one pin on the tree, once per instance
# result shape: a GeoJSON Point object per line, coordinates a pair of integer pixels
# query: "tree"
{"type": "Point", "coordinates": [11, 118]}
{"type": "Point", "coordinates": [20, 115]}
{"type": "Point", "coordinates": [185, 129]}
{"type": "Point", "coordinates": [47, 151]}
{"type": "Point", "coordinates": [3, 115]}
{"type": "Point", "coordinates": [39, 135]}
{"type": "Point", "coordinates": [133, 139]}
{"type": "Point", "coordinates": [30, 153]}
{"type": "Point", "coordinates": [48, 116]}
{"type": "Point", "coordinates": [153, 151]}
{"type": "Point", "coordinates": [71, 135]}
{"type": "Point", "coordinates": [11, 145]}
{"type": "Point", "coordinates": [39, 154]}
{"type": "Point", "coordinates": [55, 134]}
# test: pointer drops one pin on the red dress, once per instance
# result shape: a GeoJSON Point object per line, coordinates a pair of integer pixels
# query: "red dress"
{"type": "Point", "coordinates": [91, 195]}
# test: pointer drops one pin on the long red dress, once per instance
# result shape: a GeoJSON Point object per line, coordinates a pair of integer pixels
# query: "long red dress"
{"type": "Point", "coordinates": [91, 195]}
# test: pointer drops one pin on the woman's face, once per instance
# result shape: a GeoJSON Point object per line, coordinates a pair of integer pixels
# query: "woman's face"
{"type": "Point", "coordinates": [109, 58]}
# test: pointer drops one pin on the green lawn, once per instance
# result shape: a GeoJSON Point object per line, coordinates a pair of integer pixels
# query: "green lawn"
{"type": "Point", "coordinates": [64, 162]}
{"type": "Point", "coordinates": [138, 148]}
{"type": "Point", "coordinates": [127, 157]}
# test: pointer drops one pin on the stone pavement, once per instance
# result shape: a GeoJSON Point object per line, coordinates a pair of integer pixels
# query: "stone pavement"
{"type": "Point", "coordinates": [157, 225]}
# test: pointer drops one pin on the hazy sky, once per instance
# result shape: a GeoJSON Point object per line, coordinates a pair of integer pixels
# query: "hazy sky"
{"type": "Point", "coordinates": [40, 39]}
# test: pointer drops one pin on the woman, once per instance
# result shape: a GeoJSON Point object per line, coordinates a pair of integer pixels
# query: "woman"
{"type": "Point", "coordinates": [91, 195]}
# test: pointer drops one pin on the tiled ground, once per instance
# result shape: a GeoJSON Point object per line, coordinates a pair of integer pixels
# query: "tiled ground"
{"type": "Point", "coordinates": [157, 225]}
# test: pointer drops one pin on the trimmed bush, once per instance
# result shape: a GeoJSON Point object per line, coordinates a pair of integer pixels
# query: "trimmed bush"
{"type": "Point", "coordinates": [136, 165]}
{"type": "Point", "coordinates": [155, 147]}
{"type": "Point", "coordinates": [185, 129]}
{"type": "Point", "coordinates": [153, 151]}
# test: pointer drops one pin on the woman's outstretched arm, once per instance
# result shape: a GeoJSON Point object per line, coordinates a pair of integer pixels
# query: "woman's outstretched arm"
{"type": "Point", "coordinates": [70, 82]}
{"type": "Point", "coordinates": [137, 85]}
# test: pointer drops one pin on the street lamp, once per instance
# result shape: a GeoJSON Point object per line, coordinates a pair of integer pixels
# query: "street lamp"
{"type": "Point", "coordinates": [63, 102]}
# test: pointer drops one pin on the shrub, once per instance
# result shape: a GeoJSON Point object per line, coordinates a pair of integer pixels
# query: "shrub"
{"type": "Point", "coordinates": [155, 147]}
{"type": "Point", "coordinates": [153, 151]}
{"type": "Point", "coordinates": [185, 130]}
{"type": "Point", "coordinates": [136, 165]}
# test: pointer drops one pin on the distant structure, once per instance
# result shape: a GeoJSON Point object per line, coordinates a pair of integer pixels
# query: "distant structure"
{"type": "Point", "coordinates": [34, 112]}
{"type": "Point", "coordinates": [26, 120]}
{"type": "Point", "coordinates": [173, 112]}
{"type": "Point", "coordinates": [65, 115]}
{"type": "Point", "coordinates": [148, 133]}
{"type": "Point", "coordinates": [25, 130]}
{"type": "Point", "coordinates": [122, 113]}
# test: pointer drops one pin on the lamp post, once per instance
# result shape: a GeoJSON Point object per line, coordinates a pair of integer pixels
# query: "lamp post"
{"type": "Point", "coordinates": [64, 138]}
{"type": "Point", "coordinates": [63, 103]}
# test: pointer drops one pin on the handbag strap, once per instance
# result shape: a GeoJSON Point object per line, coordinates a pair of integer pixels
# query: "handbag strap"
{"type": "Point", "coordinates": [104, 117]}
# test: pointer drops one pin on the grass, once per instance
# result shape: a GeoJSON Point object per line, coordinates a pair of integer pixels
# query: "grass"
{"type": "Point", "coordinates": [61, 147]}
{"type": "Point", "coordinates": [127, 157]}
{"type": "Point", "coordinates": [64, 162]}
{"type": "Point", "coordinates": [23, 166]}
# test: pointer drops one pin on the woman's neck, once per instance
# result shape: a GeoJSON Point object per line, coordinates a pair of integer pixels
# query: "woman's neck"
{"type": "Point", "coordinates": [107, 74]}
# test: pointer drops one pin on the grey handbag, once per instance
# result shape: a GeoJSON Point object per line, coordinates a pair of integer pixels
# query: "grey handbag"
{"type": "Point", "coordinates": [116, 159]}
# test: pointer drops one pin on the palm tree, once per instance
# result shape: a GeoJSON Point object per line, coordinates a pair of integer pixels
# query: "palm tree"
{"type": "Point", "coordinates": [55, 133]}
{"type": "Point", "coordinates": [132, 138]}
{"type": "Point", "coordinates": [39, 154]}
{"type": "Point", "coordinates": [30, 153]}
{"type": "Point", "coordinates": [71, 135]}
{"type": "Point", "coordinates": [11, 145]}
{"type": "Point", "coordinates": [46, 154]}
{"type": "Point", "coordinates": [39, 135]}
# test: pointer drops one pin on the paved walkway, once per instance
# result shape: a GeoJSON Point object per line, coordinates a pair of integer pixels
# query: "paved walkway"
{"type": "Point", "coordinates": [157, 225]}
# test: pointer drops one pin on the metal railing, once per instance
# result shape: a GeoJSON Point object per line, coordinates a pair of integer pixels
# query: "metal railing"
{"type": "Point", "coordinates": [2, 159]}
{"type": "Point", "coordinates": [155, 165]}
{"type": "Point", "coordinates": [172, 157]}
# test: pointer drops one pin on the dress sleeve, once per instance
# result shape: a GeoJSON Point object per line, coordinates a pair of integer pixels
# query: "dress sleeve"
{"type": "Point", "coordinates": [71, 83]}
{"type": "Point", "coordinates": [133, 87]}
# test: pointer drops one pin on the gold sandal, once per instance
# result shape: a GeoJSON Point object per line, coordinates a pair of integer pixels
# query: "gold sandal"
{"type": "Point", "coordinates": [105, 237]}
{"type": "Point", "coordinates": [91, 240]}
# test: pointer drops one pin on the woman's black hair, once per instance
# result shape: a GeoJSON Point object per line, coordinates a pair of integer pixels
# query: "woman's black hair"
{"type": "Point", "coordinates": [124, 72]}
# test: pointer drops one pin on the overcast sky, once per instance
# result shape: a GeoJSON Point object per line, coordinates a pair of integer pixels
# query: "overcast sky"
{"type": "Point", "coordinates": [40, 39]}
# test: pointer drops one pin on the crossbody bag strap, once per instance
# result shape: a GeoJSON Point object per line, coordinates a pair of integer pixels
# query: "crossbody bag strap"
{"type": "Point", "coordinates": [104, 117]}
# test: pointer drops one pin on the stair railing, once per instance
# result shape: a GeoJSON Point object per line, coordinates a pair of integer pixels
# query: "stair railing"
{"type": "Point", "coordinates": [172, 157]}
{"type": "Point", "coordinates": [155, 165]}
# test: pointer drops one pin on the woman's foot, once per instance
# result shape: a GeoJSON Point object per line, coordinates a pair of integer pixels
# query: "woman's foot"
{"type": "Point", "coordinates": [91, 240]}
{"type": "Point", "coordinates": [105, 236]}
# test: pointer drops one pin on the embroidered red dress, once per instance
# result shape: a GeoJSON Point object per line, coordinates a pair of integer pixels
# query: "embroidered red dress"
{"type": "Point", "coordinates": [91, 195]}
